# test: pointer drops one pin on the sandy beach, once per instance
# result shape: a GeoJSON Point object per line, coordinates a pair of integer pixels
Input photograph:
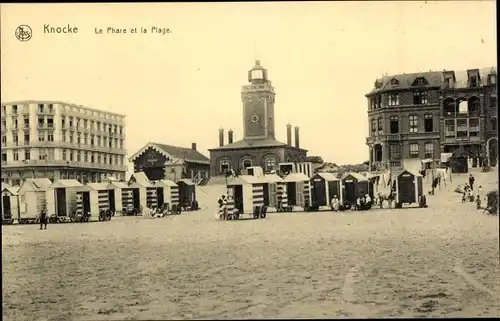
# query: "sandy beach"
{"type": "Point", "coordinates": [442, 261]}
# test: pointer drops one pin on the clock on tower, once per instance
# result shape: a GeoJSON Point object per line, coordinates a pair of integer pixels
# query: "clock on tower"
{"type": "Point", "coordinates": [258, 105]}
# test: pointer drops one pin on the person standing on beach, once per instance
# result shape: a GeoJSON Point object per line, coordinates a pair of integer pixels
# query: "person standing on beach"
{"type": "Point", "coordinates": [471, 182]}
{"type": "Point", "coordinates": [43, 217]}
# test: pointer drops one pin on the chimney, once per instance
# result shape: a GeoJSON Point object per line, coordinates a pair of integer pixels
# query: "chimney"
{"type": "Point", "coordinates": [289, 135]}
{"type": "Point", "coordinates": [221, 137]}
{"type": "Point", "coordinates": [193, 146]}
{"type": "Point", "coordinates": [297, 136]}
{"type": "Point", "coordinates": [230, 136]}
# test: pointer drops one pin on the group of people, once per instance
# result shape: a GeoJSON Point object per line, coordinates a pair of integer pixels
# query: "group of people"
{"type": "Point", "coordinates": [468, 193]}
{"type": "Point", "coordinates": [362, 203]}
{"type": "Point", "coordinates": [222, 212]}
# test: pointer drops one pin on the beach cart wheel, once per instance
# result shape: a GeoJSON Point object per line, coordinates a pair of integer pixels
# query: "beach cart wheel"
{"type": "Point", "coordinates": [237, 216]}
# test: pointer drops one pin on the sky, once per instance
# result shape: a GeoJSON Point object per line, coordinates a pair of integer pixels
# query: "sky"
{"type": "Point", "coordinates": [179, 88]}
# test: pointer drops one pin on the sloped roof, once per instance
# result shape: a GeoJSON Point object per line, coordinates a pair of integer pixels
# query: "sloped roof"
{"type": "Point", "coordinates": [357, 176]}
{"type": "Point", "coordinates": [459, 153]}
{"type": "Point", "coordinates": [141, 179]}
{"type": "Point", "coordinates": [242, 180]}
{"type": "Point", "coordinates": [296, 177]}
{"type": "Point", "coordinates": [13, 190]}
{"type": "Point", "coordinates": [327, 176]}
{"type": "Point", "coordinates": [66, 183]}
{"type": "Point", "coordinates": [410, 171]}
{"type": "Point", "coordinates": [165, 182]}
{"type": "Point", "coordinates": [254, 143]}
{"type": "Point", "coordinates": [121, 185]}
{"type": "Point", "coordinates": [169, 151]}
{"type": "Point", "coordinates": [271, 178]}
{"type": "Point", "coordinates": [98, 186]}
{"type": "Point", "coordinates": [461, 77]}
{"type": "Point", "coordinates": [35, 184]}
{"type": "Point", "coordinates": [186, 181]}
{"type": "Point", "coordinates": [405, 81]}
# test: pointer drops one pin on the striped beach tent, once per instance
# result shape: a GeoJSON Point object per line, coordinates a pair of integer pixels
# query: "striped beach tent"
{"type": "Point", "coordinates": [298, 189]}
{"type": "Point", "coordinates": [247, 192]}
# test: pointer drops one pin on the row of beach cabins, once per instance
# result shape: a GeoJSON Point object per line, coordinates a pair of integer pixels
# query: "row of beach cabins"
{"type": "Point", "coordinates": [66, 198]}
{"type": "Point", "coordinates": [255, 189]}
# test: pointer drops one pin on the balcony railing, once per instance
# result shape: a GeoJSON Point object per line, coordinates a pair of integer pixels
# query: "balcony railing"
{"type": "Point", "coordinates": [63, 163]}
{"type": "Point", "coordinates": [46, 111]}
{"type": "Point", "coordinates": [101, 149]}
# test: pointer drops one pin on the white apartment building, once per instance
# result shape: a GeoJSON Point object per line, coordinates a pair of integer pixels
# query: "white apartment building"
{"type": "Point", "coordinates": [60, 140]}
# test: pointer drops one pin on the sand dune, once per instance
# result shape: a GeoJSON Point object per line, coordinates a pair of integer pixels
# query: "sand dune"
{"type": "Point", "coordinates": [439, 261]}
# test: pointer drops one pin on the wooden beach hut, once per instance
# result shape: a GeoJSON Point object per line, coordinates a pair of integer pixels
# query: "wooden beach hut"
{"type": "Point", "coordinates": [459, 161]}
{"type": "Point", "coordinates": [61, 197]}
{"type": "Point", "coordinates": [272, 187]}
{"type": "Point", "coordinates": [323, 187]}
{"type": "Point", "coordinates": [355, 185]}
{"type": "Point", "coordinates": [298, 190]}
{"type": "Point", "coordinates": [245, 193]}
{"type": "Point", "coordinates": [32, 198]}
{"type": "Point", "coordinates": [147, 190]}
{"type": "Point", "coordinates": [187, 192]}
{"type": "Point", "coordinates": [168, 193]}
{"type": "Point", "coordinates": [93, 198]}
{"type": "Point", "coordinates": [409, 188]}
{"type": "Point", "coordinates": [10, 204]}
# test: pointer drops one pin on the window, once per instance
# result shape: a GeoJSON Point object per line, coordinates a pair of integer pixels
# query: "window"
{"type": "Point", "coordinates": [473, 81]}
{"type": "Point", "coordinates": [98, 158]}
{"type": "Point", "coordinates": [16, 157]}
{"type": "Point", "coordinates": [50, 137]}
{"type": "Point", "coordinates": [4, 124]}
{"type": "Point", "coordinates": [26, 122]}
{"type": "Point", "coordinates": [4, 110]}
{"type": "Point", "coordinates": [414, 150]}
{"type": "Point", "coordinates": [394, 82]}
{"type": "Point", "coordinates": [41, 121]}
{"type": "Point", "coordinates": [15, 138]}
{"type": "Point", "coordinates": [247, 163]}
{"type": "Point", "coordinates": [85, 157]}
{"type": "Point", "coordinates": [449, 128]}
{"type": "Point", "coordinates": [78, 138]}
{"type": "Point", "coordinates": [395, 151]}
{"type": "Point", "coordinates": [492, 79]}
{"type": "Point", "coordinates": [493, 122]}
{"type": "Point", "coordinates": [4, 139]}
{"type": "Point", "coordinates": [493, 101]}
{"type": "Point", "coordinates": [393, 100]}
{"type": "Point", "coordinates": [14, 109]}
{"type": "Point", "coordinates": [462, 122]}
{"type": "Point", "coordinates": [428, 123]}
{"type": "Point", "coordinates": [394, 124]}
{"type": "Point", "coordinates": [51, 108]}
{"type": "Point", "coordinates": [14, 122]}
{"type": "Point", "coordinates": [429, 150]}
{"type": "Point", "coordinates": [85, 138]}
{"type": "Point", "coordinates": [473, 122]}
{"type": "Point", "coordinates": [71, 158]}
{"type": "Point", "coordinates": [270, 164]}
{"type": "Point", "coordinates": [50, 122]}
{"type": "Point", "coordinates": [63, 123]}
{"type": "Point", "coordinates": [380, 125]}
{"type": "Point", "coordinates": [92, 140]}
{"type": "Point", "coordinates": [373, 127]}
{"type": "Point", "coordinates": [419, 98]}
{"type": "Point", "coordinates": [420, 82]}
{"type": "Point", "coordinates": [40, 108]}
{"type": "Point", "coordinates": [224, 166]}
{"type": "Point", "coordinates": [64, 154]}
{"type": "Point", "coordinates": [4, 157]}
{"type": "Point", "coordinates": [461, 133]}
{"type": "Point", "coordinates": [85, 123]}
{"type": "Point", "coordinates": [92, 158]}
{"type": "Point", "coordinates": [27, 155]}
{"type": "Point", "coordinates": [71, 122]}
{"type": "Point", "coordinates": [110, 143]}
{"type": "Point", "coordinates": [78, 156]}
{"type": "Point", "coordinates": [413, 124]}
{"type": "Point", "coordinates": [71, 138]}
{"type": "Point", "coordinates": [26, 139]}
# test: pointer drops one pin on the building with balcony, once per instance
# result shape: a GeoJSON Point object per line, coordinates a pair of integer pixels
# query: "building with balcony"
{"type": "Point", "coordinates": [61, 140]}
{"type": "Point", "coordinates": [418, 116]}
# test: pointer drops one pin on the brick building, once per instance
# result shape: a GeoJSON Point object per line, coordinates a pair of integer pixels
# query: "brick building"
{"type": "Point", "coordinates": [418, 116]}
{"type": "Point", "coordinates": [258, 146]}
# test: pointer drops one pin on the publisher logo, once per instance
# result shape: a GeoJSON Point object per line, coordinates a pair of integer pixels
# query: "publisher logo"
{"type": "Point", "coordinates": [24, 33]}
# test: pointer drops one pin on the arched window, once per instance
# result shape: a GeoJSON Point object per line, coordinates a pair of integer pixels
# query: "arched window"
{"type": "Point", "coordinates": [247, 163]}
{"type": "Point", "coordinates": [448, 107]}
{"type": "Point", "coordinates": [270, 163]}
{"type": "Point", "coordinates": [224, 166]}
{"type": "Point", "coordinates": [473, 106]}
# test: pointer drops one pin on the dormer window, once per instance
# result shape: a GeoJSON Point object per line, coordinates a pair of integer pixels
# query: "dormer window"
{"type": "Point", "coordinates": [394, 82]}
{"type": "Point", "coordinates": [420, 81]}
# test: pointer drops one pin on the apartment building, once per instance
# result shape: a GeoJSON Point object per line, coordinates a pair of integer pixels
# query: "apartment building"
{"type": "Point", "coordinates": [418, 116]}
{"type": "Point", "coordinates": [61, 140]}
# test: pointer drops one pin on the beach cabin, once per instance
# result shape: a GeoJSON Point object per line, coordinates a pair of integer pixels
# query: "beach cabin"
{"type": "Point", "coordinates": [272, 187]}
{"type": "Point", "coordinates": [145, 187]}
{"type": "Point", "coordinates": [10, 204]}
{"type": "Point", "coordinates": [409, 188]}
{"type": "Point", "coordinates": [298, 190]}
{"type": "Point", "coordinates": [115, 190]}
{"type": "Point", "coordinates": [323, 187]}
{"type": "Point", "coordinates": [61, 197]}
{"type": "Point", "coordinates": [93, 198]}
{"type": "Point", "coordinates": [167, 192]}
{"type": "Point", "coordinates": [32, 198]}
{"type": "Point", "coordinates": [245, 192]}
{"type": "Point", "coordinates": [355, 185]}
{"type": "Point", "coordinates": [187, 192]}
